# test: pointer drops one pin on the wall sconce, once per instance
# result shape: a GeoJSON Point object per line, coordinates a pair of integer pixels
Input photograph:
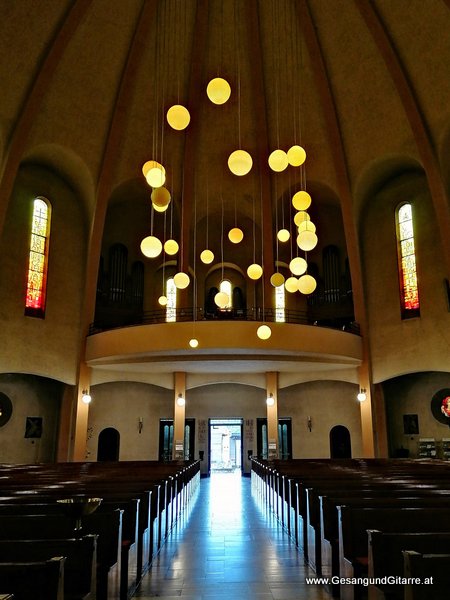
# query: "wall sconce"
{"type": "Point", "coordinates": [270, 400]}
{"type": "Point", "coordinates": [362, 395]}
{"type": "Point", "coordinates": [140, 424]}
{"type": "Point", "coordinates": [180, 400]}
{"type": "Point", "coordinates": [309, 423]}
{"type": "Point", "coordinates": [86, 397]}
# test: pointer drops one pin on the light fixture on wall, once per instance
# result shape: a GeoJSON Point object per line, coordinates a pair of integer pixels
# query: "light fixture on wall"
{"type": "Point", "coordinates": [270, 400]}
{"type": "Point", "coordinates": [362, 395]}
{"type": "Point", "coordinates": [181, 400]}
{"type": "Point", "coordinates": [140, 424]}
{"type": "Point", "coordinates": [309, 423]}
{"type": "Point", "coordinates": [86, 397]}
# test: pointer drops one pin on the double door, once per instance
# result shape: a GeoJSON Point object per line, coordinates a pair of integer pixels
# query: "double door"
{"type": "Point", "coordinates": [284, 438]}
{"type": "Point", "coordinates": [166, 439]}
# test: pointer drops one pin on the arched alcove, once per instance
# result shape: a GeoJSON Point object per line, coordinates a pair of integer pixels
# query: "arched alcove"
{"type": "Point", "coordinates": [340, 442]}
{"type": "Point", "coordinates": [108, 445]}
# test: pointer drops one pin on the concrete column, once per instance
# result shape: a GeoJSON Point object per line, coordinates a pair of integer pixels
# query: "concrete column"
{"type": "Point", "coordinates": [179, 415]}
{"type": "Point", "coordinates": [368, 441]}
{"type": "Point", "coordinates": [81, 415]}
{"type": "Point", "coordinates": [272, 414]}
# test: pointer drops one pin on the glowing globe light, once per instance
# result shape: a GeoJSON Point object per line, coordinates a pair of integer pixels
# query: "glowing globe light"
{"type": "Point", "coordinates": [193, 343]}
{"type": "Point", "coordinates": [300, 217]}
{"type": "Point", "coordinates": [151, 246]}
{"type": "Point", "coordinates": [86, 397]}
{"type": "Point", "coordinates": [291, 284]}
{"type": "Point", "coordinates": [207, 257]}
{"type": "Point", "coordinates": [178, 117]}
{"type": "Point", "coordinates": [283, 235]}
{"type": "Point", "coordinates": [222, 299]}
{"type": "Point", "coordinates": [301, 200]}
{"type": "Point", "coordinates": [307, 226]}
{"type": "Point", "coordinates": [160, 209]}
{"type": "Point", "coordinates": [277, 279]}
{"type": "Point", "coordinates": [171, 247]}
{"type": "Point", "coordinates": [160, 197]}
{"type": "Point", "coordinates": [298, 265]}
{"type": "Point", "coordinates": [162, 300]}
{"type": "Point", "coordinates": [254, 271]}
{"type": "Point", "coordinates": [307, 284]}
{"type": "Point", "coordinates": [296, 156]}
{"type": "Point", "coordinates": [235, 235]}
{"type": "Point", "coordinates": [307, 240]}
{"type": "Point", "coordinates": [278, 161]}
{"type": "Point", "coordinates": [218, 90]}
{"type": "Point", "coordinates": [154, 173]}
{"type": "Point", "coordinates": [240, 162]}
{"type": "Point", "coordinates": [264, 332]}
{"type": "Point", "coordinates": [181, 280]}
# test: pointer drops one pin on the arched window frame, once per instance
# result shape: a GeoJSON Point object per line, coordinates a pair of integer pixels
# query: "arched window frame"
{"type": "Point", "coordinates": [171, 295]}
{"type": "Point", "coordinates": [226, 287]}
{"type": "Point", "coordinates": [407, 264]}
{"type": "Point", "coordinates": [36, 287]}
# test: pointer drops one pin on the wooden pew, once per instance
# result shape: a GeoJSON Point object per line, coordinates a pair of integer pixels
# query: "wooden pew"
{"type": "Point", "coordinates": [108, 527]}
{"type": "Point", "coordinates": [353, 540]}
{"type": "Point", "coordinates": [79, 567]}
{"type": "Point", "coordinates": [386, 558]}
{"type": "Point", "coordinates": [422, 566]}
{"type": "Point", "coordinates": [43, 580]}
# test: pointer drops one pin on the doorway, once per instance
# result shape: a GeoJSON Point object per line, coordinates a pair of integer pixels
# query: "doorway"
{"type": "Point", "coordinates": [108, 445]}
{"type": "Point", "coordinates": [225, 446]}
{"type": "Point", "coordinates": [340, 443]}
{"type": "Point", "coordinates": [284, 438]}
{"type": "Point", "coordinates": [166, 439]}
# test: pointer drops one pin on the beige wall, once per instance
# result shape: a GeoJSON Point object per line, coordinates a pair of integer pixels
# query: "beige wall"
{"type": "Point", "coordinates": [31, 396]}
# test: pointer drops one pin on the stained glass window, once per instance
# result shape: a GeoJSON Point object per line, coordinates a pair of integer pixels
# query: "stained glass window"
{"type": "Point", "coordinates": [280, 300]}
{"type": "Point", "coordinates": [409, 290]}
{"type": "Point", "coordinates": [38, 258]}
{"type": "Point", "coordinates": [171, 307]}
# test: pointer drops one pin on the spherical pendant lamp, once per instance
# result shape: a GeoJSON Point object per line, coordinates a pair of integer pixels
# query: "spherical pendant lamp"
{"type": "Point", "coordinates": [218, 90]}
{"type": "Point", "coordinates": [300, 217]}
{"type": "Point", "coordinates": [296, 156]}
{"type": "Point", "coordinates": [178, 117]}
{"type": "Point", "coordinates": [206, 257]}
{"type": "Point", "coordinates": [181, 280]}
{"type": "Point", "coordinates": [277, 279]}
{"type": "Point", "coordinates": [151, 246]}
{"type": "Point", "coordinates": [264, 332]}
{"type": "Point", "coordinates": [162, 300]}
{"type": "Point", "coordinates": [160, 197]}
{"type": "Point", "coordinates": [278, 161]}
{"type": "Point", "coordinates": [307, 284]}
{"type": "Point", "coordinates": [254, 271]}
{"type": "Point", "coordinates": [298, 265]}
{"type": "Point", "coordinates": [235, 235]}
{"type": "Point", "coordinates": [222, 299]}
{"type": "Point", "coordinates": [283, 235]}
{"type": "Point", "coordinates": [171, 247]}
{"type": "Point", "coordinates": [240, 162]}
{"type": "Point", "coordinates": [154, 173]}
{"type": "Point", "coordinates": [291, 284]}
{"type": "Point", "coordinates": [193, 343]}
{"type": "Point", "coordinates": [160, 209]}
{"type": "Point", "coordinates": [307, 240]}
{"type": "Point", "coordinates": [307, 226]}
{"type": "Point", "coordinates": [301, 200]}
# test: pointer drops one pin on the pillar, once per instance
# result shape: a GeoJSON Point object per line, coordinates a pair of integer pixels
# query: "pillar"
{"type": "Point", "coordinates": [81, 415]}
{"type": "Point", "coordinates": [368, 441]}
{"type": "Point", "coordinates": [179, 415]}
{"type": "Point", "coordinates": [272, 414]}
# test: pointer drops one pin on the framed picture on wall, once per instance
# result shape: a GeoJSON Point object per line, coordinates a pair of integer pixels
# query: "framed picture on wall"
{"type": "Point", "coordinates": [411, 424]}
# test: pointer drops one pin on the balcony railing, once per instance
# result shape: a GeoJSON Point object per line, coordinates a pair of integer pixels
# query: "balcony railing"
{"type": "Point", "coordinates": [269, 315]}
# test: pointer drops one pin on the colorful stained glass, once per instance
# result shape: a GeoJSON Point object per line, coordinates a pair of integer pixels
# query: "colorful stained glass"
{"type": "Point", "coordinates": [407, 259]}
{"type": "Point", "coordinates": [37, 267]}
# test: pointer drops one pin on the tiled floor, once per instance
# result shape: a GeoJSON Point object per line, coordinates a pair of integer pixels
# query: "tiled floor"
{"type": "Point", "coordinates": [227, 547]}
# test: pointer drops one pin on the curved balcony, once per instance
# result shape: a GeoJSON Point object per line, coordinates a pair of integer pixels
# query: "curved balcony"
{"type": "Point", "coordinates": [227, 342]}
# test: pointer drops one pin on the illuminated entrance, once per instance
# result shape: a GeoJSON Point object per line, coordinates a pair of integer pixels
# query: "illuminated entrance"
{"type": "Point", "coordinates": [225, 445]}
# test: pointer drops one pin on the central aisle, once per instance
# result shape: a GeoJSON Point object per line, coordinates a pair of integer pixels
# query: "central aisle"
{"type": "Point", "coordinates": [227, 547]}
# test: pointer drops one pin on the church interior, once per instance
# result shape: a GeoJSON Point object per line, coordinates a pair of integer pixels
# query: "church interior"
{"type": "Point", "coordinates": [224, 231]}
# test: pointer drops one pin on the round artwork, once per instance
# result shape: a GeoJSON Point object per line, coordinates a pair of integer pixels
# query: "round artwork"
{"type": "Point", "coordinates": [5, 409]}
{"type": "Point", "coordinates": [440, 406]}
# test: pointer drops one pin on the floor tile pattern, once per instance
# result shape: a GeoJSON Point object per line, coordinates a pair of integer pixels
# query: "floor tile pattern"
{"type": "Point", "coordinates": [226, 546]}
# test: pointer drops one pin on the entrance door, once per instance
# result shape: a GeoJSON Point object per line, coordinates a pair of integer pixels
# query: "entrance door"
{"type": "Point", "coordinates": [108, 445]}
{"type": "Point", "coordinates": [284, 438]}
{"type": "Point", "coordinates": [166, 439]}
{"type": "Point", "coordinates": [340, 444]}
{"type": "Point", "coordinates": [225, 445]}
